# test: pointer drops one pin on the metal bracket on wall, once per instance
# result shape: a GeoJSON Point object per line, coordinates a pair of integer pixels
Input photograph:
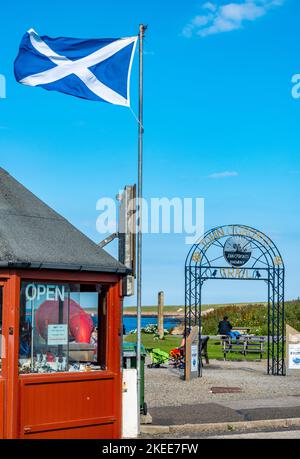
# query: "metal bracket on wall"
{"type": "Point", "coordinates": [107, 240]}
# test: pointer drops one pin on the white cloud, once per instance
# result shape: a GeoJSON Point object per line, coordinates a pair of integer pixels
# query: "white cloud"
{"type": "Point", "coordinates": [225, 174]}
{"type": "Point", "coordinates": [209, 6]}
{"type": "Point", "coordinates": [227, 17]}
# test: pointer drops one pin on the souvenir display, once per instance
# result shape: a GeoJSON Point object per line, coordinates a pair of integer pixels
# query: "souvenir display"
{"type": "Point", "coordinates": [41, 365]}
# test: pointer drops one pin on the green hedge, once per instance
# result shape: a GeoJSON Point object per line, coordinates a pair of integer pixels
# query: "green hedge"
{"type": "Point", "coordinates": [252, 316]}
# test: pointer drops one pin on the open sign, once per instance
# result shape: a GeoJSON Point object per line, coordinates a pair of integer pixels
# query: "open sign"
{"type": "Point", "coordinates": [51, 292]}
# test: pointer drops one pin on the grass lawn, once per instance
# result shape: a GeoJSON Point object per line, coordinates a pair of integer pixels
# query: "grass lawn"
{"type": "Point", "coordinates": [171, 341]}
{"type": "Point", "coordinates": [166, 344]}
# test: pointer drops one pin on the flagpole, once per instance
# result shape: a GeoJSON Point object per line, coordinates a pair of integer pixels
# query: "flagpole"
{"type": "Point", "coordinates": [139, 219]}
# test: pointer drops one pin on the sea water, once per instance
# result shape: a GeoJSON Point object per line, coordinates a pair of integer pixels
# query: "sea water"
{"type": "Point", "coordinates": [130, 322]}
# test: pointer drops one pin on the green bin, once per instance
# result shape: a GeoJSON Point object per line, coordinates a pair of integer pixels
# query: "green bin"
{"type": "Point", "coordinates": [129, 361]}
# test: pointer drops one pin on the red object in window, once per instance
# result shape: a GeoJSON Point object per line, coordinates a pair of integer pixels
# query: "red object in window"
{"type": "Point", "coordinates": [81, 327]}
{"type": "Point", "coordinates": [80, 323]}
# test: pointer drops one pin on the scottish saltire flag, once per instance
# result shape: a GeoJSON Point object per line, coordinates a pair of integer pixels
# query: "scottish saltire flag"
{"type": "Point", "coordinates": [96, 69]}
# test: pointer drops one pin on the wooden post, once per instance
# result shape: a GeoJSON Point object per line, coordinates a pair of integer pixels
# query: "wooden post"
{"type": "Point", "coordinates": [160, 315]}
{"type": "Point", "coordinates": [191, 340]}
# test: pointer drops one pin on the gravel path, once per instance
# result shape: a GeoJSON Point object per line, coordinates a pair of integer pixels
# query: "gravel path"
{"type": "Point", "coordinates": [163, 386]}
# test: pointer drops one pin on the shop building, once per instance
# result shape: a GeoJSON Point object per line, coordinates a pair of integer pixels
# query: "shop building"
{"type": "Point", "coordinates": [61, 325]}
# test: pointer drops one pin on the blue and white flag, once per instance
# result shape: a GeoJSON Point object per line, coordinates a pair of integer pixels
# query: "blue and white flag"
{"type": "Point", "coordinates": [96, 69]}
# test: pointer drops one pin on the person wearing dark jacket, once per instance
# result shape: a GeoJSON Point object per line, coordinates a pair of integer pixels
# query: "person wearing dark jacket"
{"type": "Point", "coordinates": [225, 328]}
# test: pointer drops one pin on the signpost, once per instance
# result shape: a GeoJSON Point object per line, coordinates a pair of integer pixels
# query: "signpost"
{"type": "Point", "coordinates": [293, 350]}
{"type": "Point", "coordinates": [192, 354]}
{"type": "Point", "coordinates": [127, 235]}
{"type": "Point", "coordinates": [239, 252]}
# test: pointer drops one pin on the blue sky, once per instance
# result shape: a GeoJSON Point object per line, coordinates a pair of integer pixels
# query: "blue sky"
{"type": "Point", "coordinates": [217, 100]}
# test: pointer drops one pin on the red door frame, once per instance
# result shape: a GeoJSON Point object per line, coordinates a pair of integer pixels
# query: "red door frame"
{"type": "Point", "coordinates": [11, 312]}
{"type": "Point", "coordinates": [3, 374]}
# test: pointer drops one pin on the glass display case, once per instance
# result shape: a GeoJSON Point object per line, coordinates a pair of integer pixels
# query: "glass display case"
{"type": "Point", "coordinates": [62, 327]}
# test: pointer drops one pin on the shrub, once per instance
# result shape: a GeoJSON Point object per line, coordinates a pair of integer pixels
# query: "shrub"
{"type": "Point", "coordinates": [251, 316]}
{"type": "Point", "coordinates": [150, 329]}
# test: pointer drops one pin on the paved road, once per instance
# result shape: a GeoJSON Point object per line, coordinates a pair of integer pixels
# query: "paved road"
{"type": "Point", "coordinates": [164, 388]}
{"type": "Point", "coordinates": [172, 401]}
{"type": "Point", "coordinates": [278, 402]}
{"type": "Point", "coordinates": [291, 433]}
{"type": "Point", "coordinates": [288, 434]}
{"type": "Point", "coordinates": [227, 411]}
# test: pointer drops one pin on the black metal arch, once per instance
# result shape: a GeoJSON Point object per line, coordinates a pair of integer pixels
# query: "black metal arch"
{"type": "Point", "coordinates": [206, 261]}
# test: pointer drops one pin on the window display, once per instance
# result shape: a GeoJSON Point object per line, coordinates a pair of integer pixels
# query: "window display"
{"type": "Point", "coordinates": [62, 327]}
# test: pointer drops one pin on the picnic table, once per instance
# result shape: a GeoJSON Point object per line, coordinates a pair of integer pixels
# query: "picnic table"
{"type": "Point", "coordinates": [242, 330]}
{"type": "Point", "coordinates": [245, 344]}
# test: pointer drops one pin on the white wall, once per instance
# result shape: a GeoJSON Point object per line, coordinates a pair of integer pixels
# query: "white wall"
{"type": "Point", "coordinates": [130, 417]}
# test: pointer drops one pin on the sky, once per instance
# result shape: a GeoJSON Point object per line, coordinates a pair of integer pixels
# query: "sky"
{"type": "Point", "coordinates": [220, 123]}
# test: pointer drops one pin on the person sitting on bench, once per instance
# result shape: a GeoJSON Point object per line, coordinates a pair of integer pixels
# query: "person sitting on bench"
{"type": "Point", "coordinates": [225, 328]}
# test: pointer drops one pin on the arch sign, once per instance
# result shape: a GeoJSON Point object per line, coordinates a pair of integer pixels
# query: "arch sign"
{"type": "Point", "coordinates": [238, 252]}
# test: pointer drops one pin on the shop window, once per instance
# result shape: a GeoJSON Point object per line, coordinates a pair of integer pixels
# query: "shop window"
{"type": "Point", "coordinates": [62, 327]}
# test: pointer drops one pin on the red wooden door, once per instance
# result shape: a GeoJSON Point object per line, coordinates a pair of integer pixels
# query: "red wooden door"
{"type": "Point", "coordinates": [68, 406]}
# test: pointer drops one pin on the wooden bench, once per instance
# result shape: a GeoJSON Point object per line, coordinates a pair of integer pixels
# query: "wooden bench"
{"type": "Point", "coordinates": [245, 344]}
{"type": "Point", "coordinates": [256, 345]}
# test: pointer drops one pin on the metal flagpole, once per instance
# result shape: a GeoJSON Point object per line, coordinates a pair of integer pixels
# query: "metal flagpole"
{"type": "Point", "coordinates": [139, 219]}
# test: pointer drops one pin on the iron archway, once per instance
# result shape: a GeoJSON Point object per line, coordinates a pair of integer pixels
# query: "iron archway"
{"type": "Point", "coordinates": [238, 252]}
